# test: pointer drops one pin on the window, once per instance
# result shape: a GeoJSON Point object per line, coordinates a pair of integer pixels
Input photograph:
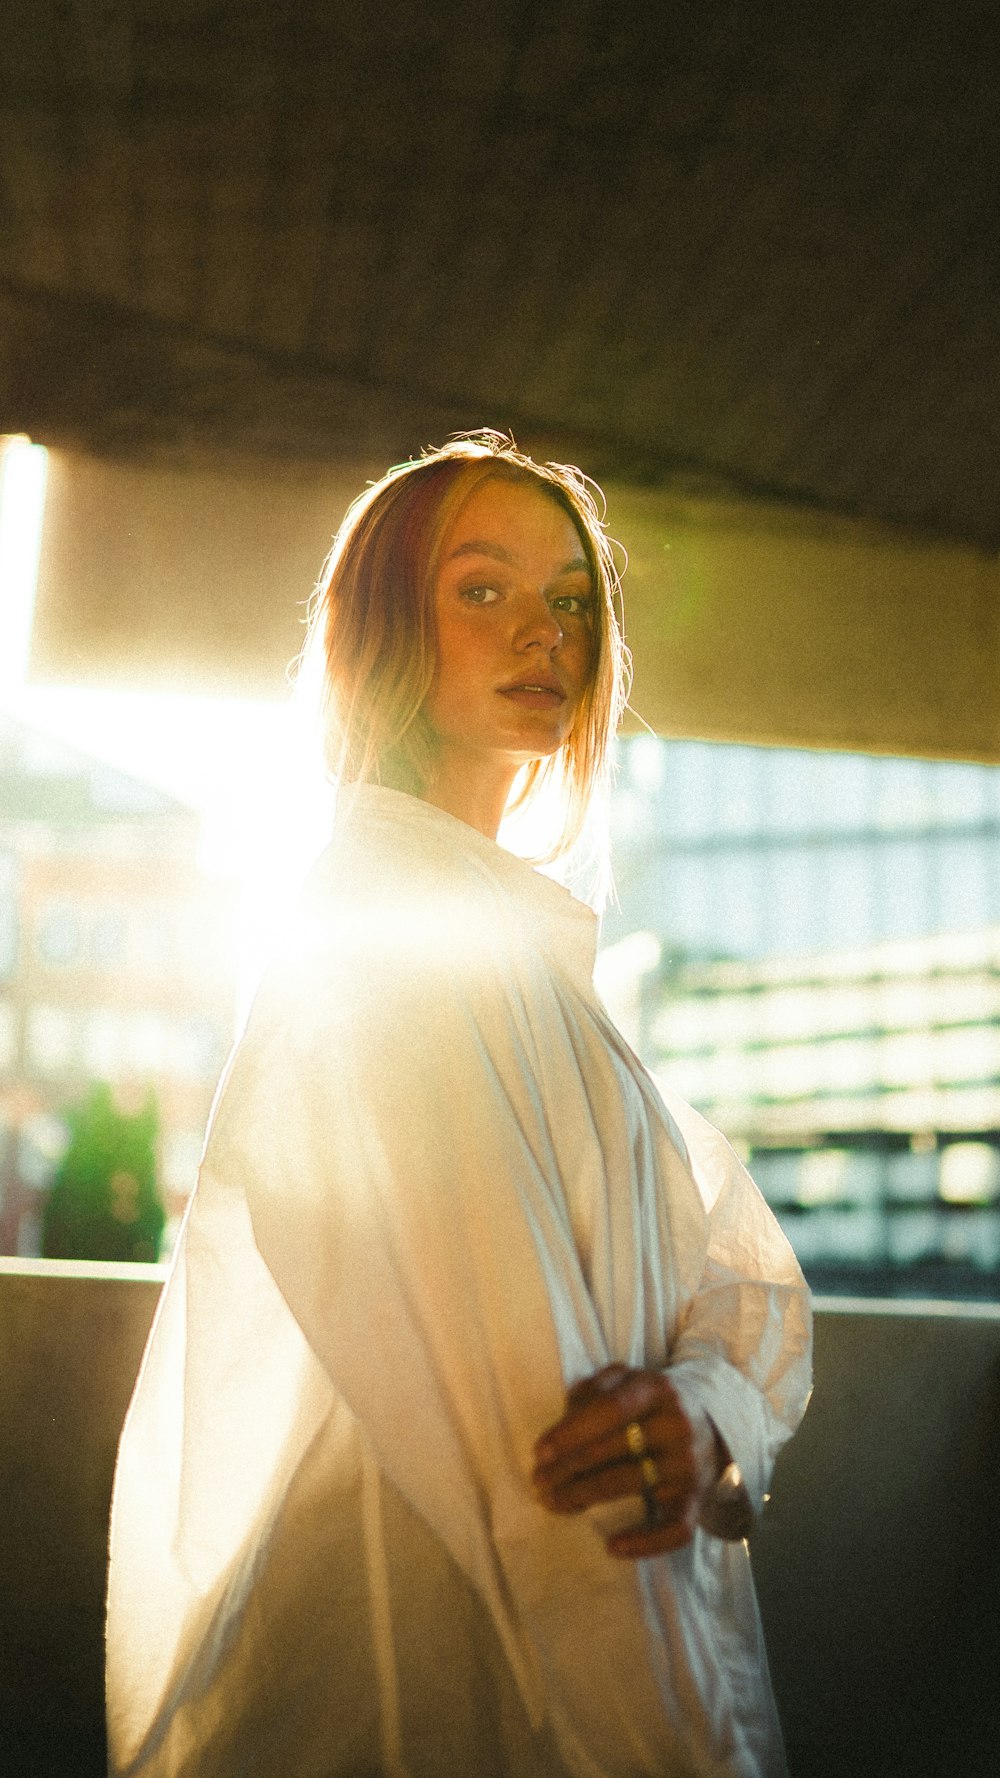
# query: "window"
{"type": "Point", "coordinates": [8, 1037]}
{"type": "Point", "coordinates": [42, 1142]}
{"type": "Point", "coordinates": [59, 937]}
{"type": "Point", "coordinates": [970, 1173]}
{"type": "Point", "coordinates": [828, 991]}
{"type": "Point", "coordinates": [51, 1039]}
{"type": "Point", "coordinates": [196, 1050]}
{"type": "Point", "coordinates": [154, 937]}
{"type": "Point", "coordinates": [181, 1155]}
{"type": "Point", "coordinates": [103, 1044]}
{"type": "Point", "coordinates": [963, 870]}
{"type": "Point", "coordinates": [108, 936]}
{"type": "Point", "coordinates": [9, 922]}
{"type": "Point", "coordinates": [148, 1043]}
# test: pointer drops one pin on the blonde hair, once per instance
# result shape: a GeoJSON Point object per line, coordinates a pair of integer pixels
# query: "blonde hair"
{"type": "Point", "coordinates": [373, 615]}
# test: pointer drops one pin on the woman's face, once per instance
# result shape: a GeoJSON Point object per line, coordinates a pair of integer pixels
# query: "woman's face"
{"type": "Point", "coordinates": [516, 614]}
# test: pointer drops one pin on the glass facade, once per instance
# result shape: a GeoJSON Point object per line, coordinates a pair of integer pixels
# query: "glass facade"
{"type": "Point", "coordinates": [821, 976]}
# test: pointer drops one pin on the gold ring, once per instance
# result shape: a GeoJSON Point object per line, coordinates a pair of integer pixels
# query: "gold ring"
{"type": "Point", "coordinates": [635, 1439]}
{"type": "Point", "coordinates": [650, 1474]}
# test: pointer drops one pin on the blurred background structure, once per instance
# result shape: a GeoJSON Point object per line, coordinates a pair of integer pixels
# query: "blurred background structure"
{"type": "Point", "coordinates": [807, 948]}
{"type": "Point", "coordinates": [741, 261]}
{"type": "Point", "coordinates": [116, 967]}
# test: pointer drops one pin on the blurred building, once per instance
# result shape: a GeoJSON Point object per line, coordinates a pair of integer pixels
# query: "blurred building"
{"type": "Point", "coordinates": [819, 973]}
{"type": "Point", "coordinates": [116, 964]}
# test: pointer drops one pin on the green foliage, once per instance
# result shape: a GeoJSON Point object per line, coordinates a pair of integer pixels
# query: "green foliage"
{"type": "Point", "coordinates": [105, 1202]}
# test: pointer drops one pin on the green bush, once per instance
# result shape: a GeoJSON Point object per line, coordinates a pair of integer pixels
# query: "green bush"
{"type": "Point", "coordinates": [104, 1202]}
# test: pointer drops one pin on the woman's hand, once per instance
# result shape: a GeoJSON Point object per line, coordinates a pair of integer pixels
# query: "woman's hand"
{"type": "Point", "coordinates": [624, 1433]}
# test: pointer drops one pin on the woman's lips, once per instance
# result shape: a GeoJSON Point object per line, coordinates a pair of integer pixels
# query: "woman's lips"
{"type": "Point", "coordinates": [534, 697]}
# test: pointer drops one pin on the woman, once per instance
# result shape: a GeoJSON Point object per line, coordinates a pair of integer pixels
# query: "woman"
{"type": "Point", "coordinates": [475, 1354]}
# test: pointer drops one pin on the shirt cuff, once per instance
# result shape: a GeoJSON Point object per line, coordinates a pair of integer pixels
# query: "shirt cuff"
{"type": "Point", "coordinates": [738, 1414]}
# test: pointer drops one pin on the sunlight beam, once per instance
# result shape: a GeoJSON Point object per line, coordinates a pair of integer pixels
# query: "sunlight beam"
{"type": "Point", "coordinates": [23, 468]}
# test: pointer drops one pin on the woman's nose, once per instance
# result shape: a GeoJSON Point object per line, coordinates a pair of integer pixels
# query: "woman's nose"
{"type": "Point", "coordinates": [538, 625]}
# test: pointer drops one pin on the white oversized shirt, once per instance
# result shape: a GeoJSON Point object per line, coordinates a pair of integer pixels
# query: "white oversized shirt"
{"type": "Point", "coordinates": [439, 1188]}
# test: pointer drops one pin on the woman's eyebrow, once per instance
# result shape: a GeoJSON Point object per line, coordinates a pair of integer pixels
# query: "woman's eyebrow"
{"type": "Point", "coordinates": [481, 547]}
{"type": "Point", "coordinates": [478, 547]}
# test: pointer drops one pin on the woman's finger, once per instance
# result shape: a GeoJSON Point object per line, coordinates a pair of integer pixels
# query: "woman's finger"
{"type": "Point", "coordinates": [606, 1412]}
{"type": "Point", "coordinates": [655, 1540]}
{"type": "Point", "coordinates": [669, 1483]}
{"type": "Point", "coordinates": [642, 1450]}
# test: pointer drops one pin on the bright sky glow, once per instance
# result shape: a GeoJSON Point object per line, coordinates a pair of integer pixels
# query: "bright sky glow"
{"type": "Point", "coordinates": [252, 769]}
{"type": "Point", "coordinates": [23, 468]}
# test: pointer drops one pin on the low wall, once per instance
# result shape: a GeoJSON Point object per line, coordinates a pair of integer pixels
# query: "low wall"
{"type": "Point", "coordinates": [71, 1337]}
{"type": "Point", "coordinates": [877, 1563]}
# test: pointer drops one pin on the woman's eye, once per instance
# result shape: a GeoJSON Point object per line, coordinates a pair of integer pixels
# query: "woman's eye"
{"type": "Point", "coordinates": [574, 604]}
{"type": "Point", "coordinates": [480, 595]}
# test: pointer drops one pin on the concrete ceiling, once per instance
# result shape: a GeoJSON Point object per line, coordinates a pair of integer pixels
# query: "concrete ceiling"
{"type": "Point", "coordinates": [738, 247]}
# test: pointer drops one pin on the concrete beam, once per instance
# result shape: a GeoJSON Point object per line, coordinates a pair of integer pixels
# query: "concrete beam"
{"type": "Point", "coordinates": [748, 622]}
{"type": "Point", "coordinates": [773, 625]}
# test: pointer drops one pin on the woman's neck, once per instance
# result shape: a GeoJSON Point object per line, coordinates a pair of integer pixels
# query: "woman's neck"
{"type": "Point", "coordinates": [477, 797]}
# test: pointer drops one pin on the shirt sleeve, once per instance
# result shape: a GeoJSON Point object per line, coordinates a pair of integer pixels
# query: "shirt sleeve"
{"type": "Point", "coordinates": [744, 1345]}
